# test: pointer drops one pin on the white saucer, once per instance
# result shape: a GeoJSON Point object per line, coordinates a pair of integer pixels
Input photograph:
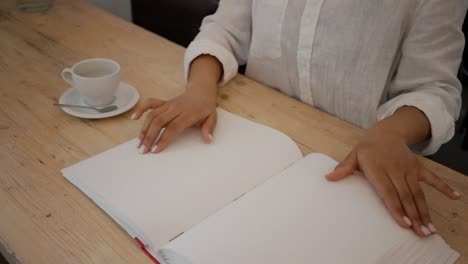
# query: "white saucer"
{"type": "Point", "coordinates": [126, 97]}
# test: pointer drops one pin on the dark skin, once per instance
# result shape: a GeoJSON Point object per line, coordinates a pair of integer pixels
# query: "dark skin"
{"type": "Point", "coordinates": [383, 155]}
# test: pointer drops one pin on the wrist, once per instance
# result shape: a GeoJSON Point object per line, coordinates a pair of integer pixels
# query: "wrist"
{"type": "Point", "coordinates": [407, 123]}
{"type": "Point", "coordinates": [202, 83]}
{"type": "Point", "coordinates": [384, 133]}
{"type": "Point", "coordinates": [202, 87]}
{"type": "Point", "coordinates": [205, 91]}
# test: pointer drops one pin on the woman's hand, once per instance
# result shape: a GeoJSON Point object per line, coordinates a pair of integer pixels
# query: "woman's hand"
{"type": "Point", "coordinates": [395, 172]}
{"type": "Point", "coordinates": [197, 106]}
{"type": "Point", "coordinates": [191, 108]}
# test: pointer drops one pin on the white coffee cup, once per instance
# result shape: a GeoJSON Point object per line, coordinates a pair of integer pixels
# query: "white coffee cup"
{"type": "Point", "coordinates": [95, 79]}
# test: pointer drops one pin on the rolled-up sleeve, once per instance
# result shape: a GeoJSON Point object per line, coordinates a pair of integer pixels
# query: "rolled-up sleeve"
{"type": "Point", "coordinates": [426, 75]}
{"type": "Point", "coordinates": [225, 35]}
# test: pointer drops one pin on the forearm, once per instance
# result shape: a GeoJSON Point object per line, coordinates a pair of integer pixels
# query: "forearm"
{"type": "Point", "coordinates": [407, 122]}
{"type": "Point", "coordinates": [205, 73]}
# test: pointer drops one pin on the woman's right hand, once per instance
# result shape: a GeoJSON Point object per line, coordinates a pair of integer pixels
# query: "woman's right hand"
{"type": "Point", "coordinates": [194, 107]}
{"type": "Point", "coordinates": [197, 106]}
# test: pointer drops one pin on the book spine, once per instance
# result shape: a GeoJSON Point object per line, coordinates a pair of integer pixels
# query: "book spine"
{"type": "Point", "coordinates": [142, 246]}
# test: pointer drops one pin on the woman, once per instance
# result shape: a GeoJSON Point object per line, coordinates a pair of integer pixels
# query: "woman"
{"type": "Point", "coordinates": [388, 66]}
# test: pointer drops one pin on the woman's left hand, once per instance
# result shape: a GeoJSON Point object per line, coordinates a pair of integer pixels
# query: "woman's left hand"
{"type": "Point", "coordinates": [395, 172]}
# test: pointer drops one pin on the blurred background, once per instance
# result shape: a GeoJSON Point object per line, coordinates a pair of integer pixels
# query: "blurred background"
{"type": "Point", "coordinates": [179, 20]}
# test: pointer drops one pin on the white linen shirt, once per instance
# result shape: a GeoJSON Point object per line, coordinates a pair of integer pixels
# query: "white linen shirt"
{"type": "Point", "coordinates": [359, 60]}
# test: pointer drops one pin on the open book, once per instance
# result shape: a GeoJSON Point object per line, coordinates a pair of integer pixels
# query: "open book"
{"type": "Point", "coordinates": [248, 197]}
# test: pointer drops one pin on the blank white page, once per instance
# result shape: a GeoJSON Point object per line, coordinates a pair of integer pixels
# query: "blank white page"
{"type": "Point", "coordinates": [299, 217]}
{"type": "Point", "coordinates": [158, 196]}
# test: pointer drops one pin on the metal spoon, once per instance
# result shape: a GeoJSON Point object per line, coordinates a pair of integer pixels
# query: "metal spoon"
{"type": "Point", "coordinates": [100, 110]}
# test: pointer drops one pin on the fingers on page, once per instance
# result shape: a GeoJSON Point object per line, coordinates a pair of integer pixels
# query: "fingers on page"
{"type": "Point", "coordinates": [208, 127]}
{"type": "Point", "coordinates": [345, 168]}
{"type": "Point", "coordinates": [436, 182]}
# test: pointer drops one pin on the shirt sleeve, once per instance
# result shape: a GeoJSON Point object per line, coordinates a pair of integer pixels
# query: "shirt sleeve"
{"type": "Point", "coordinates": [426, 75]}
{"type": "Point", "coordinates": [225, 35]}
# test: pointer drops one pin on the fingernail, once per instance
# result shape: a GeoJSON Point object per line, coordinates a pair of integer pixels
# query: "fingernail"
{"type": "Point", "coordinates": [154, 148]}
{"type": "Point", "coordinates": [457, 194]}
{"type": "Point", "coordinates": [432, 228]}
{"type": "Point", "coordinates": [407, 221]}
{"type": "Point", "coordinates": [142, 149]}
{"type": "Point", "coordinates": [425, 231]}
{"type": "Point", "coordinates": [139, 144]}
{"type": "Point", "coordinates": [210, 137]}
{"type": "Point", "coordinates": [133, 116]}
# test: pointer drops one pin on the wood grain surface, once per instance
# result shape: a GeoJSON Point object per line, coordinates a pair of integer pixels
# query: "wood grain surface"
{"type": "Point", "coordinates": [45, 219]}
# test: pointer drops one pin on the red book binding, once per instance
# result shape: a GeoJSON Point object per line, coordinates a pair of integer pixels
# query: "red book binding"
{"type": "Point", "coordinates": [142, 246]}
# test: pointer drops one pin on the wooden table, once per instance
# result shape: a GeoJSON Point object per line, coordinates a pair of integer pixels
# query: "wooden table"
{"type": "Point", "coordinates": [43, 218]}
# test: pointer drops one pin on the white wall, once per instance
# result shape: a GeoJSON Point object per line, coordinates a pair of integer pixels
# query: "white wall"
{"type": "Point", "coordinates": [121, 8]}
